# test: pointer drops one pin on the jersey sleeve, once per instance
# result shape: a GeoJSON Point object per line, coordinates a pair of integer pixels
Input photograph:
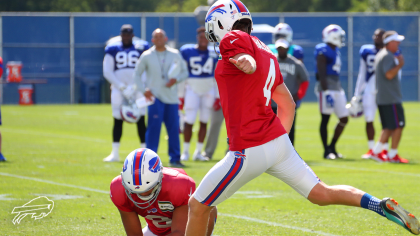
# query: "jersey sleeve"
{"type": "Point", "coordinates": [118, 195]}
{"type": "Point", "coordinates": [298, 52]}
{"type": "Point", "coordinates": [236, 42]}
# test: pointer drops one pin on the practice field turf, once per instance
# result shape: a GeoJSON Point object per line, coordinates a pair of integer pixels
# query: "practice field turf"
{"type": "Point", "coordinates": [57, 151]}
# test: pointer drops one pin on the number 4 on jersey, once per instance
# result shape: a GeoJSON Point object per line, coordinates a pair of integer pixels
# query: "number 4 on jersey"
{"type": "Point", "coordinates": [269, 82]}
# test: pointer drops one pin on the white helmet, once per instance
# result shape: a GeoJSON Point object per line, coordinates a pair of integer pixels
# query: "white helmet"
{"type": "Point", "coordinates": [334, 34]}
{"type": "Point", "coordinates": [283, 30]}
{"type": "Point", "coordinates": [130, 113]}
{"type": "Point", "coordinates": [142, 172]}
{"type": "Point", "coordinates": [221, 16]}
{"type": "Point", "coordinates": [355, 107]}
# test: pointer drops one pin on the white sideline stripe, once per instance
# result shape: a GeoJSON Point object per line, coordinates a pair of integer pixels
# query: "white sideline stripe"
{"type": "Point", "coordinates": [369, 170]}
{"type": "Point", "coordinates": [76, 137]}
{"type": "Point", "coordinates": [276, 224]}
{"type": "Point", "coordinates": [223, 214]}
{"type": "Point", "coordinates": [55, 183]}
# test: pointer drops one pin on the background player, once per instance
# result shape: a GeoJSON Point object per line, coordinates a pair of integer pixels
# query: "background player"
{"type": "Point", "coordinates": [2, 158]}
{"type": "Point", "coordinates": [118, 68]}
{"type": "Point", "coordinates": [158, 194]}
{"type": "Point", "coordinates": [295, 77]}
{"type": "Point", "coordinates": [331, 96]}
{"type": "Point", "coordinates": [248, 77]}
{"type": "Point", "coordinates": [284, 31]}
{"type": "Point", "coordinates": [199, 90]}
{"type": "Point", "coordinates": [366, 86]}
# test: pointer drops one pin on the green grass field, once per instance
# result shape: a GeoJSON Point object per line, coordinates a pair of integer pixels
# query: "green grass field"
{"type": "Point", "coordinates": [57, 151]}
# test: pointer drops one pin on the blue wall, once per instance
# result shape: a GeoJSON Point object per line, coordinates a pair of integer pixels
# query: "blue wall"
{"type": "Point", "coordinates": [42, 43]}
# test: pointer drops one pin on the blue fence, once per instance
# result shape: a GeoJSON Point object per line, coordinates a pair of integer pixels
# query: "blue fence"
{"type": "Point", "coordinates": [67, 48]}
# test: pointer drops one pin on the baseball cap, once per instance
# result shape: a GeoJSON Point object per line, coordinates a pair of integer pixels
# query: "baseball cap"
{"type": "Point", "coordinates": [127, 28]}
{"type": "Point", "coordinates": [282, 43]}
{"type": "Point", "coordinates": [392, 36]}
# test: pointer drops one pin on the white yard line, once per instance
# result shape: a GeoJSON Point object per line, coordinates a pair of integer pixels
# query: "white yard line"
{"type": "Point", "coordinates": [222, 214]}
{"type": "Point", "coordinates": [276, 224]}
{"type": "Point", "coordinates": [368, 170]}
{"type": "Point", "coordinates": [52, 135]}
{"type": "Point", "coordinates": [52, 182]}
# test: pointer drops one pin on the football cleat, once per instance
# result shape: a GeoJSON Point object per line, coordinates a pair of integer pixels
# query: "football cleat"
{"type": "Point", "coordinates": [185, 156]}
{"type": "Point", "coordinates": [381, 157]}
{"type": "Point", "coordinates": [398, 159]}
{"type": "Point", "coordinates": [198, 157]}
{"type": "Point", "coordinates": [2, 158]}
{"type": "Point", "coordinates": [368, 154]}
{"type": "Point", "coordinates": [329, 155]}
{"type": "Point", "coordinates": [394, 212]}
{"type": "Point", "coordinates": [112, 158]}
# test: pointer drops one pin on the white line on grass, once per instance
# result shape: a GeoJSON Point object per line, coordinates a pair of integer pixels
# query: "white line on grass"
{"type": "Point", "coordinates": [368, 170]}
{"type": "Point", "coordinates": [223, 214]}
{"type": "Point", "coordinates": [275, 224]}
{"type": "Point", "coordinates": [76, 137]}
{"type": "Point", "coordinates": [55, 183]}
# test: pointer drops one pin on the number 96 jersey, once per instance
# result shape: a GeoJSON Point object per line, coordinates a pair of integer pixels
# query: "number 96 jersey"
{"type": "Point", "coordinates": [177, 187]}
{"type": "Point", "coordinates": [125, 59]}
{"type": "Point", "coordinates": [246, 98]}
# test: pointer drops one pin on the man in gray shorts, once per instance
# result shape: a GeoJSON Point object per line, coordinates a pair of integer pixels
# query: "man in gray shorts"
{"type": "Point", "coordinates": [389, 98]}
{"type": "Point", "coordinates": [295, 76]}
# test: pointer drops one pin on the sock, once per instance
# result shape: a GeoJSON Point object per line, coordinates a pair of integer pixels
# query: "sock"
{"type": "Point", "coordinates": [332, 145]}
{"type": "Point", "coordinates": [186, 147]}
{"type": "Point", "coordinates": [371, 203]}
{"type": "Point", "coordinates": [378, 148]}
{"type": "Point", "coordinates": [198, 147]}
{"type": "Point", "coordinates": [371, 144]}
{"type": "Point", "coordinates": [115, 148]}
{"type": "Point", "coordinates": [385, 146]}
{"type": "Point", "coordinates": [143, 145]}
{"type": "Point", "coordinates": [392, 153]}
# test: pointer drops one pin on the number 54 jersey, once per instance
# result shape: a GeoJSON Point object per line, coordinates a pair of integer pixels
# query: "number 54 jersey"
{"type": "Point", "coordinates": [201, 65]}
{"type": "Point", "coordinates": [177, 187]}
{"type": "Point", "coordinates": [246, 98]}
{"type": "Point", "coordinates": [125, 59]}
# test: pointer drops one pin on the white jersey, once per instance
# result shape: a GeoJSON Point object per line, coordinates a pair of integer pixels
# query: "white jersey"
{"type": "Point", "coordinates": [366, 82]}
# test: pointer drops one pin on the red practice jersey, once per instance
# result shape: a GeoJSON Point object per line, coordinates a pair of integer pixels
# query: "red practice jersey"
{"type": "Point", "coordinates": [246, 99]}
{"type": "Point", "coordinates": [177, 187]}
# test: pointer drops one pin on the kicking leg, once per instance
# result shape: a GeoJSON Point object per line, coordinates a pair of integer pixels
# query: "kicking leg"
{"type": "Point", "coordinates": [324, 195]}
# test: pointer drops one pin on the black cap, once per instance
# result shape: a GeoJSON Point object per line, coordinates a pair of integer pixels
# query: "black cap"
{"type": "Point", "coordinates": [127, 28]}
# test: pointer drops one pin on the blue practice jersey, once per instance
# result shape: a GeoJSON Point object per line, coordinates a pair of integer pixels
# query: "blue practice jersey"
{"type": "Point", "coordinates": [201, 64]}
{"type": "Point", "coordinates": [333, 58]}
{"type": "Point", "coordinates": [367, 53]}
{"type": "Point", "coordinates": [126, 57]}
{"type": "Point", "coordinates": [294, 50]}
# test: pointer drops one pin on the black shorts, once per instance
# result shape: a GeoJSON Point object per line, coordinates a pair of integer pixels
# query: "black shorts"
{"type": "Point", "coordinates": [392, 116]}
